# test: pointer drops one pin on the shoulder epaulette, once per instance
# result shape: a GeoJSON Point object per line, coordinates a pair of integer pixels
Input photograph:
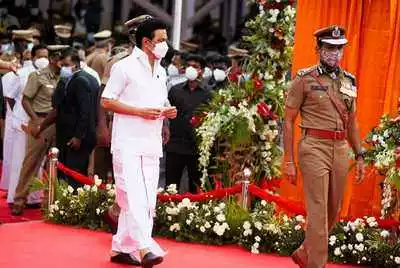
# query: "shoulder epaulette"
{"type": "Point", "coordinates": [350, 76]}
{"type": "Point", "coordinates": [306, 71]}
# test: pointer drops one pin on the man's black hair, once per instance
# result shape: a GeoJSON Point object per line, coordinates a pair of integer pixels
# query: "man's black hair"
{"type": "Point", "coordinates": [74, 54]}
{"type": "Point", "coordinates": [36, 48]}
{"type": "Point", "coordinates": [147, 29]}
{"type": "Point", "coordinates": [196, 58]}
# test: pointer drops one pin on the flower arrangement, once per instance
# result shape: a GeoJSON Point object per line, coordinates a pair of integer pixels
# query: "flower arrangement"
{"type": "Point", "coordinates": [239, 128]}
{"type": "Point", "coordinates": [84, 206]}
{"type": "Point", "coordinates": [383, 153]}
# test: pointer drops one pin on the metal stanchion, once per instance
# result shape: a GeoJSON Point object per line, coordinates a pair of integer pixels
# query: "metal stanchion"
{"type": "Point", "coordinates": [53, 156]}
{"type": "Point", "coordinates": [245, 194]}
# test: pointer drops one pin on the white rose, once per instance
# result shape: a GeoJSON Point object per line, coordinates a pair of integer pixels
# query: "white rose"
{"type": "Point", "coordinates": [94, 189]}
{"type": "Point", "coordinates": [246, 225]}
{"type": "Point", "coordinates": [255, 250]}
{"type": "Point", "coordinates": [263, 203]}
{"type": "Point", "coordinates": [79, 190]}
{"type": "Point", "coordinates": [186, 202]}
{"type": "Point", "coordinates": [160, 190]}
{"type": "Point", "coordinates": [297, 227]}
{"type": "Point", "coordinates": [97, 211]}
{"type": "Point", "coordinates": [397, 260]}
{"type": "Point", "coordinates": [222, 205]}
{"type": "Point", "coordinates": [350, 246]}
{"type": "Point", "coordinates": [56, 208]}
{"type": "Point", "coordinates": [257, 238]}
{"type": "Point", "coordinates": [258, 225]}
{"type": "Point", "coordinates": [188, 222]}
{"type": "Point", "coordinates": [207, 225]}
{"type": "Point", "coordinates": [337, 252]}
{"type": "Point", "coordinates": [202, 229]}
{"type": "Point", "coordinates": [221, 217]}
{"type": "Point", "coordinates": [86, 187]}
{"type": "Point", "coordinates": [169, 218]}
{"type": "Point", "coordinates": [97, 181]}
{"type": "Point", "coordinates": [108, 187]}
{"type": "Point", "coordinates": [247, 232]}
{"type": "Point", "coordinates": [300, 218]}
{"type": "Point", "coordinates": [343, 247]}
{"type": "Point", "coordinates": [359, 237]}
{"type": "Point", "coordinates": [384, 233]}
{"type": "Point", "coordinates": [61, 212]}
{"type": "Point", "coordinates": [346, 229]}
{"type": "Point", "coordinates": [70, 189]}
{"type": "Point", "coordinates": [217, 210]}
{"type": "Point", "coordinates": [247, 172]}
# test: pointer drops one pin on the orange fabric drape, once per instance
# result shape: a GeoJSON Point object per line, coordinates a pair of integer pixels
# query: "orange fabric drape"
{"type": "Point", "coordinates": [373, 55]}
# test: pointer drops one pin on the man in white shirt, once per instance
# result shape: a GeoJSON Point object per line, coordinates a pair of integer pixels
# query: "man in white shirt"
{"type": "Point", "coordinates": [15, 139]}
{"type": "Point", "coordinates": [137, 94]}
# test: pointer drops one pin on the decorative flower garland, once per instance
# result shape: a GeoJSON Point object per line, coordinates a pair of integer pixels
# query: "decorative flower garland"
{"type": "Point", "coordinates": [384, 154]}
{"type": "Point", "coordinates": [240, 127]}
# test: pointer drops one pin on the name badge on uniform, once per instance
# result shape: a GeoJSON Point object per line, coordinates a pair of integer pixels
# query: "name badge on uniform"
{"type": "Point", "coordinates": [323, 88]}
{"type": "Point", "coordinates": [49, 86]}
{"type": "Point", "coordinates": [348, 90]}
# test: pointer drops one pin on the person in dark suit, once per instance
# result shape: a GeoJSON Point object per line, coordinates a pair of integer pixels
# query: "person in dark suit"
{"type": "Point", "coordinates": [75, 102]}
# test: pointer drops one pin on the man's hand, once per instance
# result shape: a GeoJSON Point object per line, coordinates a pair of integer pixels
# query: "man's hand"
{"type": "Point", "coordinates": [360, 170]}
{"type": "Point", "coordinates": [35, 131]}
{"type": "Point", "coordinates": [150, 113]}
{"type": "Point", "coordinates": [74, 143]}
{"type": "Point", "coordinates": [170, 112]}
{"type": "Point", "coordinates": [165, 134]}
{"type": "Point", "coordinates": [290, 171]}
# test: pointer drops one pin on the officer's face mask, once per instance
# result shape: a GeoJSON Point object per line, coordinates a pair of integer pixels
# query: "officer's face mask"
{"type": "Point", "coordinates": [330, 56]}
{"type": "Point", "coordinates": [66, 72]}
{"type": "Point", "coordinates": [41, 63]}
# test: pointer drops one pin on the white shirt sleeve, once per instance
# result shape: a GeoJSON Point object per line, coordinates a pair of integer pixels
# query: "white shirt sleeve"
{"type": "Point", "coordinates": [116, 84]}
{"type": "Point", "coordinates": [10, 85]}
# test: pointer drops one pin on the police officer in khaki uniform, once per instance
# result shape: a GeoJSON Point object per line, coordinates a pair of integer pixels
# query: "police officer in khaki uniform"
{"type": "Point", "coordinates": [37, 102]}
{"type": "Point", "coordinates": [325, 95]}
{"type": "Point", "coordinates": [98, 59]}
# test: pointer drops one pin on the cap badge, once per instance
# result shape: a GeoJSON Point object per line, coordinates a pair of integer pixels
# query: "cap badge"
{"type": "Point", "coordinates": [336, 32]}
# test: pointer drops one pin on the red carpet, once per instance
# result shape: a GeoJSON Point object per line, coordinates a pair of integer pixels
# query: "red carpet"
{"type": "Point", "coordinates": [5, 212]}
{"type": "Point", "coordinates": [40, 245]}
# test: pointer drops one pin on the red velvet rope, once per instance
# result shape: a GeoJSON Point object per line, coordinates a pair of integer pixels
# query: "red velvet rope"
{"type": "Point", "coordinates": [288, 206]}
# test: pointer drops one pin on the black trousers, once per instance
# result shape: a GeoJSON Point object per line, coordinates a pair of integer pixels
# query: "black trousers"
{"type": "Point", "coordinates": [77, 160]}
{"type": "Point", "coordinates": [176, 163]}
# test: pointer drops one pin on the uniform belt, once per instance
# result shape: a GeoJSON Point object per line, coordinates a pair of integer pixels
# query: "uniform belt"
{"type": "Point", "coordinates": [326, 134]}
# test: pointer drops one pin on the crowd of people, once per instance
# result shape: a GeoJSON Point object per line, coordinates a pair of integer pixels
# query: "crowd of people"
{"type": "Point", "coordinates": [51, 97]}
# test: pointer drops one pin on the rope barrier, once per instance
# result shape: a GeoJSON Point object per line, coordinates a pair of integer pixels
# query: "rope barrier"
{"type": "Point", "coordinates": [288, 206]}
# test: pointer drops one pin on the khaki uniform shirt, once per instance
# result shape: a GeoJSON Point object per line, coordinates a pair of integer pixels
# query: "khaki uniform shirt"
{"type": "Point", "coordinates": [40, 88]}
{"type": "Point", "coordinates": [311, 98]}
{"type": "Point", "coordinates": [97, 61]}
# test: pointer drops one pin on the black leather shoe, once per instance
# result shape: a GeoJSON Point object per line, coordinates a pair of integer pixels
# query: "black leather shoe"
{"type": "Point", "coordinates": [149, 260]}
{"type": "Point", "coordinates": [124, 258]}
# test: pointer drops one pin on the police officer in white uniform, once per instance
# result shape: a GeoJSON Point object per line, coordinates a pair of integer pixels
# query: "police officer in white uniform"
{"type": "Point", "coordinates": [136, 92]}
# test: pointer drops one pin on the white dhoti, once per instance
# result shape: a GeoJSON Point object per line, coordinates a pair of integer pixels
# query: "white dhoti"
{"type": "Point", "coordinates": [20, 139]}
{"type": "Point", "coordinates": [136, 179]}
{"type": "Point", "coordinates": [7, 150]}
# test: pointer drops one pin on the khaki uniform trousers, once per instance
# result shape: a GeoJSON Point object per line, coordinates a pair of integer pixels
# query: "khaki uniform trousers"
{"type": "Point", "coordinates": [324, 166]}
{"type": "Point", "coordinates": [36, 151]}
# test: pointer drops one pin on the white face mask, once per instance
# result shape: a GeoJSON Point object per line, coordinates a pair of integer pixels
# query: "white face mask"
{"type": "Point", "coordinates": [172, 70]}
{"type": "Point", "coordinates": [160, 50]}
{"type": "Point", "coordinates": [191, 73]}
{"type": "Point", "coordinates": [219, 75]}
{"type": "Point", "coordinates": [207, 73]}
{"type": "Point", "coordinates": [41, 63]}
{"type": "Point", "coordinates": [66, 72]}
